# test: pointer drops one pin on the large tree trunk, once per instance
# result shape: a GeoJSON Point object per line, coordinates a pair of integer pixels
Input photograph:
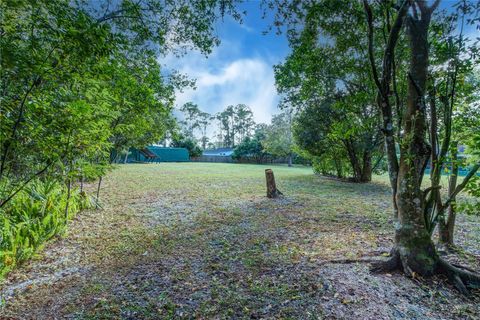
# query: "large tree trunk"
{"type": "Point", "coordinates": [290, 160]}
{"type": "Point", "coordinates": [413, 242]}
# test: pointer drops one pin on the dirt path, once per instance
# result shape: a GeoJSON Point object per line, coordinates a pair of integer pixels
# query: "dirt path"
{"type": "Point", "coordinates": [201, 241]}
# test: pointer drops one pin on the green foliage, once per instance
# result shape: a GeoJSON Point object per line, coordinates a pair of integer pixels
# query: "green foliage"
{"type": "Point", "coordinates": [141, 102]}
{"type": "Point", "coordinates": [249, 148]}
{"type": "Point", "coordinates": [195, 119]}
{"type": "Point", "coordinates": [189, 143]}
{"type": "Point", "coordinates": [454, 99]}
{"type": "Point", "coordinates": [192, 113]}
{"type": "Point", "coordinates": [81, 81]}
{"type": "Point", "coordinates": [34, 216]}
{"type": "Point", "coordinates": [278, 136]}
{"type": "Point", "coordinates": [471, 206]}
{"type": "Point", "coordinates": [243, 121]}
{"type": "Point", "coordinates": [331, 164]}
{"type": "Point", "coordinates": [329, 83]}
{"type": "Point", "coordinates": [235, 124]}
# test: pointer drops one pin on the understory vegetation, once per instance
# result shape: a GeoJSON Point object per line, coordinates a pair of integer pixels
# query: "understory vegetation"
{"type": "Point", "coordinates": [38, 213]}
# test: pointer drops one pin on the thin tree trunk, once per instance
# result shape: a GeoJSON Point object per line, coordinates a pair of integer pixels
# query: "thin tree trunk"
{"type": "Point", "coordinates": [446, 226]}
{"type": "Point", "coordinates": [98, 190]}
{"type": "Point", "coordinates": [367, 167]}
{"type": "Point", "coordinates": [383, 85]}
{"type": "Point", "coordinates": [354, 162]}
{"type": "Point", "coordinates": [69, 189]}
{"type": "Point", "coordinates": [338, 168]}
{"type": "Point", "coordinates": [8, 141]}
{"type": "Point", "coordinates": [3, 202]}
{"type": "Point", "coordinates": [446, 229]}
{"type": "Point", "coordinates": [290, 160]}
{"type": "Point", "coordinates": [126, 158]}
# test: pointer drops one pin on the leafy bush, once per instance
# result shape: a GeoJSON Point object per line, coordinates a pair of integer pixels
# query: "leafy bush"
{"type": "Point", "coordinates": [329, 165]}
{"type": "Point", "coordinates": [34, 216]}
{"type": "Point", "coordinates": [250, 148]}
{"type": "Point", "coordinates": [471, 206]}
{"type": "Point", "coordinates": [188, 143]}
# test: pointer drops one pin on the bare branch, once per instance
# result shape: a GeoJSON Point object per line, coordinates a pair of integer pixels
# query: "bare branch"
{"type": "Point", "coordinates": [434, 6]}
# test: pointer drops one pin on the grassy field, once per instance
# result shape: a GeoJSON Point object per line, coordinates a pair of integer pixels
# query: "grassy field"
{"type": "Point", "coordinates": [201, 241]}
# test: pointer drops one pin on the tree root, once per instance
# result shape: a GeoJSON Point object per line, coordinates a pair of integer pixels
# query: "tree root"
{"type": "Point", "coordinates": [463, 267]}
{"type": "Point", "coordinates": [347, 261]}
{"type": "Point", "coordinates": [362, 259]}
{"type": "Point", "coordinates": [389, 265]}
{"type": "Point", "coordinates": [461, 277]}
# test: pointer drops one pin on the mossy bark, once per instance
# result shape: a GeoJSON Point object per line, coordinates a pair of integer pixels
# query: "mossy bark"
{"type": "Point", "coordinates": [414, 248]}
{"type": "Point", "coordinates": [413, 242]}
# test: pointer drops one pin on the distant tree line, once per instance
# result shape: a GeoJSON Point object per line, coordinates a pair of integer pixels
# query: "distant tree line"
{"type": "Point", "coordinates": [236, 129]}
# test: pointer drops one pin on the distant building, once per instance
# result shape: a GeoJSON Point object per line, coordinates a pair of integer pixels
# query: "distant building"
{"type": "Point", "coordinates": [158, 154]}
{"type": "Point", "coordinates": [220, 152]}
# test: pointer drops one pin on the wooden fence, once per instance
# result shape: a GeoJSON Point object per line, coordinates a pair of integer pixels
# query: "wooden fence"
{"type": "Point", "coordinates": [228, 159]}
{"type": "Point", "coordinates": [225, 159]}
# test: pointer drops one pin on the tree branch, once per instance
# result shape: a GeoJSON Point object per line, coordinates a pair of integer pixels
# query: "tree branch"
{"type": "Point", "coordinates": [3, 202]}
{"type": "Point", "coordinates": [462, 185]}
{"type": "Point", "coordinates": [434, 6]}
{"type": "Point", "coordinates": [384, 84]}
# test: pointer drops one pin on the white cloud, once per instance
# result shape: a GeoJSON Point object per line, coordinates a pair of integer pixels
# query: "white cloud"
{"type": "Point", "coordinates": [220, 83]}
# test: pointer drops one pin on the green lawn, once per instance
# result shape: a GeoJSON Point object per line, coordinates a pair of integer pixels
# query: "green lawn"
{"type": "Point", "coordinates": [197, 240]}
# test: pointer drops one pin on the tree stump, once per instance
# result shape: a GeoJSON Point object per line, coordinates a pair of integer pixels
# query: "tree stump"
{"type": "Point", "coordinates": [272, 191]}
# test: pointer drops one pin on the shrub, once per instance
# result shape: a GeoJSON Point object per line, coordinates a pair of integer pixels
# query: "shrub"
{"type": "Point", "coordinates": [34, 216]}
{"type": "Point", "coordinates": [471, 205]}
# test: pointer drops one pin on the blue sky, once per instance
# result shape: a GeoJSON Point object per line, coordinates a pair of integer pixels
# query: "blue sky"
{"type": "Point", "coordinates": [239, 70]}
